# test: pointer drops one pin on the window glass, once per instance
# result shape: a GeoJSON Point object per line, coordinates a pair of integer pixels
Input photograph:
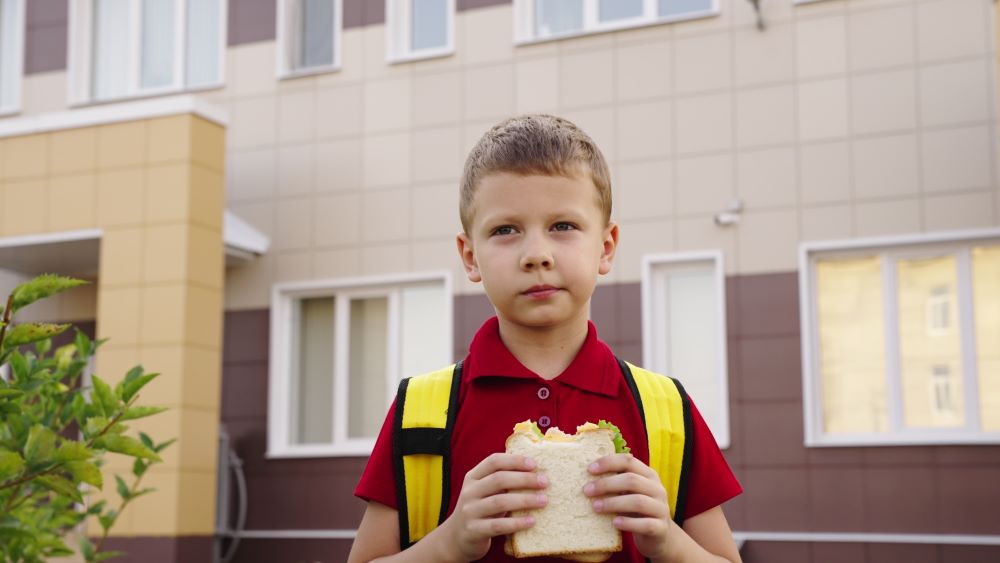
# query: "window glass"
{"type": "Point", "coordinates": [429, 24]}
{"type": "Point", "coordinates": [986, 299]}
{"type": "Point", "coordinates": [851, 345]}
{"type": "Point", "coordinates": [312, 384]}
{"type": "Point", "coordinates": [316, 33]}
{"type": "Point", "coordinates": [203, 24]}
{"type": "Point", "coordinates": [612, 10]}
{"type": "Point", "coordinates": [157, 50]}
{"type": "Point", "coordinates": [424, 307]}
{"type": "Point", "coordinates": [929, 342]}
{"type": "Point", "coordinates": [553, 17]}
{"type": "Point", "coordinates": [111, 48]}
{"type": "Point", "coordinates": [367, 373]}
{"type": "Point", "coordinates": [667, 8]}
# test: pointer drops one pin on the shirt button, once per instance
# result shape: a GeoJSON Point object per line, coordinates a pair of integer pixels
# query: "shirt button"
{"type": "Point", "coordinates": [543, 393]}
{"type": "Point", "coordinates": [544, 422]}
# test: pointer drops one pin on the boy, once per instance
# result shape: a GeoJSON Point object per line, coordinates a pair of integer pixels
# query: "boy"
{"type": "Point", "coordinates": [536, 212]}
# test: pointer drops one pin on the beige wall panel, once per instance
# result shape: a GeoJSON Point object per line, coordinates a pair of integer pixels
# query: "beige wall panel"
{"type": "Point", "coordinates": [373, 50]}
{"type": "Point", "coordinates": [121, 145]}
{"type": "Point", "coordinates": [882, 38]}
{"type": "Point", "coordinates": [162, 314]}
{"type": "Point", "coordinates": [352, 60]}
{"type": "Point", "coordinates": [260, 215]}
{"type": "Point", "coordinates": [167, 193]}
{"type": "Point", "coordinates": [886, 167]}
{"type": "Point", "coordinates": [249, 286]}
{"type": "Point", "coordinates": [643, 71]}
{"type": "Point", "coordinates": [722, 22]}
{"type": "Point", "coordinates": [644, 190]}
{"type": "Point", "coordinates": [72, 202]}
{"type": "Point", "coordinates": [169, 139]}
{"type": "Point", "coordinates": [120, 314]}
{"type": "Point", "coordinates": [705, 184]}
{"type": "Point", "coordinates": [599, 123]}
{"type": "Point", "coordinates": [957, 159]}
{"type": "Point", "coordinates": [765, 116]}
{"type": "Point", "coordinates": [887, 218]}
{"type": "Point", "coordinates": [338, 263]}
{"type": "Point", "coordinates": [484, 40]}
{"type": "Point", "coordinates": [296, 169]}
{"type": "Point", "coordinates": [819, 9]}
{"type": "Point", "coordinates": [26, 157]}
{"type": "Point", "coordinates": [385, 216]}
{"type": "Point", "coordinates": [387, 104]}
{"type": "Point", "coordinates": [823, 109]}
{"type": "Point", "coordinates": [120, 195]}
{"type": "Point", "coordinates": [25, 205]}
{"type": "Point", "coordinates": [115, 361]}
{"type": "Point", "coordinates": [386, 160]}
{"type": "Point", "coordinates": [204, 246]}
{"type": "Point", "coordinates": [436, 99]}
{"type": "Point", "coordinates": [293, 266]}
{"type": "Point", "coordinates": [155, 514]}
{"type": "Point", "coordinates": [438, 254]}
{"type": "Point", "coordinates": [293, 224]}
{"type": "Point", "coordinates": [43, 93]}
{"type": "Point", "coordinates": [883, 102]}
{"type": "Point", "coordinates": [586, 79]}
{"type": "Point", "coordinates": [208, 144]}
{"type": "Point", "coordinates": [434, 211]}
{"type": "Point", "coordinates": [833, 222]}
{"type": "Point", "coordinates": [763, 58]}
{"type": "Point", "coordinates": [196, 506]}
{"type": "Point", "coordinates": [169, 361]}
{"type": "Point", "coordinates": [251, 69]}
{"type": "Point", "coordinates": [253, 122]}
{"type": "Point", "coordinates": [587, 43]}
{"type": "Point", "coordinates": [206, 198]}
{"type": "Point", "coordinates": [701, 233]}
{"type": "Point", "coordinates": [252, 174]}
{"type": "Point", "coordinates": [73, 151]}
{"type": "Point", "coordinates": [437, 154]}
{"type": "Point", "coordinates": [949, 29]}
{"type": "Point", "coordinates": [489, 92]}
{"type": "Point", "coordinates": [767, 178]}
{"type": "Point", "coordinates": [960, 211]}
{"type": "Point", "coordinates": [126, 246]}
{"type": "Point", "coordinates": [339, 165]}
{"type": "Point", "coordinates": [825, 172]}
{"type": "Point", "coordinates": [702, 63]}
{"type": "Point", "coordinates": [337, 220]}
{"type": "Point", "coordinates": [636, 239]}
{"type": "Point", "coordinates": [704, 123]}
{"type": "Point", "coordinates": [536, 85]}
{"type": "Point", "coordinates": [767, 241]}
{"type": "Point", "coordinates": [956, 93]}
{"type": "Point", "coordinates": [203, 309]}
{"type": "Point", "coordinates": [297, 116]}
{"type": "Point", "coordinates": [385, 259]}
{"type": "Point", "coordinates": [821, 46]}
{"type": "Point", "coordinates": [644, 130]}
{"type": "Point", "coordinates": [339, 111]}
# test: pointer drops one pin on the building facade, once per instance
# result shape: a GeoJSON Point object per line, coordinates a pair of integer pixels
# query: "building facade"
{"type": "Point", "coordinates": [808, 196]}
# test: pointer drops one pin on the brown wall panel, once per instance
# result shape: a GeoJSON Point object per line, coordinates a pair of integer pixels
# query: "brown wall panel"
{"type": "Point", "coordinates": [292, 551]}
{"type": "Point", "coordinates": [184, 549]}
{"type": "Point", "coordinates": [46, 34]}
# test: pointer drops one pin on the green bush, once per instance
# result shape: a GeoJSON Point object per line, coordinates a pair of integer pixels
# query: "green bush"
{"type": "Point", "coordinates": [55, 432]}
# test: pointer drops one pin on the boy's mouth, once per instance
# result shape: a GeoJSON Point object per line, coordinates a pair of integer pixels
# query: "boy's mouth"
{"type": "Point", "coordinates": [539, 291]}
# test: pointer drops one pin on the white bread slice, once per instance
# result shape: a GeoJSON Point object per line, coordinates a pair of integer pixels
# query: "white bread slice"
{"type": "Point", "coordinates": [567, 525]}
{"type": "Point", "coordinates": [593, 557]}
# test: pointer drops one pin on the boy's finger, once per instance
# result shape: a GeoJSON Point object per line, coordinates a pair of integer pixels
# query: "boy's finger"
{"type": "Point", "coordinates": [642, 526]}
{"type": "Point", "coordinates": [492, 527]}
{"type": "Point", "coordinates": [498, 505]}
{"type": "Point", "coordinates": [501, 461]}
{"type": "Point", "coordinates": [506, 481]}
{"type": "Point", "coordinates": [621, 483]}
{"type": "Point", "coordinates": [618, 463]}
{"type": "Point", "coordinates": [638, 505]}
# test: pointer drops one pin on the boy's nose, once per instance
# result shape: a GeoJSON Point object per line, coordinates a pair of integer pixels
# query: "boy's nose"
{"type": "Point", "coordinates": [536, 258]}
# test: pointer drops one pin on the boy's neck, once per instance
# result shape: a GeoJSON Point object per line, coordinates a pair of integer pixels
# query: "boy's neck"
{"type": "Point", "coordinates": [546, 351]}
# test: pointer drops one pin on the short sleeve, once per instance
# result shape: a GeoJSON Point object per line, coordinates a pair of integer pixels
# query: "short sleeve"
{"type": "Point", "coordinates": [378, 482]}
{"type": "Point", "coordinates": [711, 482]}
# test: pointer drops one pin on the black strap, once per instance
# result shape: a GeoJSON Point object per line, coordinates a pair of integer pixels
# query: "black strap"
{"type": "Point", "coordinates": [682, 484]}
{"type": "Point", "coordinates": [397, 458]}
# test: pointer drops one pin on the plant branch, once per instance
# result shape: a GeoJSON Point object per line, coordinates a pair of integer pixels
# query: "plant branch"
{"type": "Point", "coordinates": [6, 319]}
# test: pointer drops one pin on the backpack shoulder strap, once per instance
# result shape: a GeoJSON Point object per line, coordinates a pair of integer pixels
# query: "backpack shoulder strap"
{"type": "Point", "coordinates": [666, 414]}
{"type": "Point", "coordinates": [426, 406]}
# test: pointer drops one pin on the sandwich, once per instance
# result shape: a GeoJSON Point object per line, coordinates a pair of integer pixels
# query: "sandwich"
{"type": "Point", "coordinates": [567, 526]}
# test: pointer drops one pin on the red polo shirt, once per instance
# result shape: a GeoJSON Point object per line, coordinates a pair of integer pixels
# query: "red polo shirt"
{"type": "Point", "coordinates": [497, 391]}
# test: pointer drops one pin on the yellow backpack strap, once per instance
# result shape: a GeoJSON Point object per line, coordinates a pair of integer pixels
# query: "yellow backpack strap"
{"type": "Point", "coordinates": [666, 414]}
{"type": "Point", "coordinates": [426, 406]}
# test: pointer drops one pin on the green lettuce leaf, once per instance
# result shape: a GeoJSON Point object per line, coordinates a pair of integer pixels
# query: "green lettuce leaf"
{"type": "Point", "coordinates": [617, 438]}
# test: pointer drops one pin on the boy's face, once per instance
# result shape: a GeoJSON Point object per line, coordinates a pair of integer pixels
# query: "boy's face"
{"type": "Point", "coordinates": [538, 244]}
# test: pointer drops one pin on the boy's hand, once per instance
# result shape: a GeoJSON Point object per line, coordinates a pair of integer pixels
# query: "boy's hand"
{"type": "Point", "coordinates": [633, 491]}
{"type": "Point", "coordinates": [484, 503]}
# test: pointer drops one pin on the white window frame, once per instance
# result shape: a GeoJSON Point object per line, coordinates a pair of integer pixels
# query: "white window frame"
{"type": "Point", "coordinates": [280, 384]}
{"type": "Point", "coordinates": [524, 20]}
{"type": "Point", "coordinates": [649, 336]}
{"type": "Point", "coordinates": [81, 63]}
{"type": "Point", "coordinates": [15, 72]}
{"type": "Point", "coordinates": [398, 19]}
{"type": "Point", "coordinates": [890, 249]}
{"type": "Point", "coordinates": [285, 35]}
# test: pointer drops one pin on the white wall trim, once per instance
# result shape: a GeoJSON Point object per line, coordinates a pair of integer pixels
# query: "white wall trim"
{"type": "Point", "coordinates": [861, 537]}
{"type": "Point", "coordinates": [114, 113]}
{"type": "Point", "coordinates": [50, 238]}
{"type": "Point", "coordinates": [291, 534]}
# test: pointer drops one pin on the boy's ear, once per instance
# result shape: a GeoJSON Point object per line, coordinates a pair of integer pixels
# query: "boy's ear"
{"type": "Point", "coordinates": [468, 257]}
{"type": "Point", "coordinates": [610, 246]}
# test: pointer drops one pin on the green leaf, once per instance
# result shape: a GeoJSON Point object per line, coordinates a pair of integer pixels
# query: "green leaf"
{"type": "Point", "coordinates": [86, 548]}
{"type": "Point", "coordinates": [97, 507]}
{"type": "Point", "coordinates": [42, 347]}
{"type": "Point", "coordinates": [105, 398]}
{"type": "Point", "coordinates": [10, 393]}
{"type": "Point", "coordinates": [146, 440]}
{"type": "Point", "coordinates": [41, 287]}
{"type": "Point", "coordinates": [86, 472]}
{"type": "Point", "coordinates": [139, 467]}
{"type": "Point", "coordinates": [141, 412]}
{"type": "Point", "coordinates": [19, 366]}
{"type": "Point", "coordinates": [104, 555]}
{"type": "Point", "coordinates": [83, 344]}
{"type": "Point", "coordinates": [95, 425]}
{"type": "Point", "coordinates": [73, 451]}
{"type": "Point", "coordinates": [141, 492]}
{"type": "Point", "coordinates": [164, 445]}
{"type": "Point", "coordinates": [123, 490]}
{"type": "Point", "coordinates": [60, 485]}
{"type": "Point", "coordinates": [108, 520]}
{"type": "Point", "coordinates": [132, 387]}
{"type": "Point", "coordinates": [64, 356]}
{"type": "Point", "coordinates": [26, 333]}
{"type": "Point", "coordinates": [11, 464]}
{"type": "Point", "coordinates": [40, 446]}
{"type": "Point", "coordinates": [125, 445]}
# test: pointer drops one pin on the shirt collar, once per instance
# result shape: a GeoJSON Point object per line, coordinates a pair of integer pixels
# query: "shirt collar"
{"type": "Point", "coordinates": [594, 368]}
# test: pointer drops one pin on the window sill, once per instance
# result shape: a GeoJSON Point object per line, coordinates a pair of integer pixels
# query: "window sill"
{"type": "Point", "coordinates": [10, 112]}
{"type": "Point", "coordinates": [304, 72]}
{"type": "Point", "coordinates": [628, 24]}
{"type": "Point", "coordinates": [923, 439]}
{"type": "Point", "coordinates": [145, 96]}
{"type": "Point", "coordinates": [420, 56]}
{"type": "Point", "coordinates": [357, 449]}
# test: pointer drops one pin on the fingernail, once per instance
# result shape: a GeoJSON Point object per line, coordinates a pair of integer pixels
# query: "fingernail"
{"type": "Point", "coordinates": [541, 499]}
{"type": "Point", "coordinates": [529, 463]}
{"type": "Point", "coordinates": [543, 480]}
{"type": "Point", "coordinates": [594, 467]}
{"type": "Point", "coordinates": [529, 520]}
{"type": "Point", "coordinates": [598, 505]}
{"type": "Point", "coordinates": [588, 489]}
{"type": "Point", "coordinates": [617, 521]}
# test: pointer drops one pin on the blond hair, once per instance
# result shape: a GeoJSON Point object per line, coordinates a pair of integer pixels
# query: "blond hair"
{"type": "Point", "coordinates": [534, 145]}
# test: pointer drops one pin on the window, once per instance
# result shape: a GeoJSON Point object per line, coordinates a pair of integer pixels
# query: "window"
{"type": "Point", "coordinates": [11, 54]}
{"type": "Point", "coordinates": [128, 48]}
{"type": "Point", "coordinates": [899, 341]}
{"type": "Point", "coordinates": [684, 329]}
{"type": "Point", "coordinates": [308, 36]}
{"type": "Point", "coordinates": [338, 352]}
{"type": "Point", "coordinates": [419, 29]}
{"type": "Point", "coordinates": [538, 20]}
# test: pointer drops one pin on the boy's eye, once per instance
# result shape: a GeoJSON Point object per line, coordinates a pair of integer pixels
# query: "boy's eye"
{"type": "Point", "coordinates": [563, 227]}
{"type": "Point", "coordinates": [504, 230]}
